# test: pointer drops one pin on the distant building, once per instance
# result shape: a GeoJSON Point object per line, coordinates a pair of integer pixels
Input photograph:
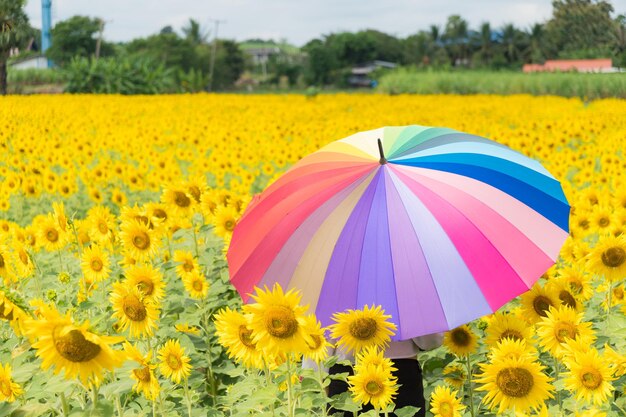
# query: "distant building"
{"type": "Point", "coordinates": [38, 62]}
{"type": "Point", "coordinates": [579, 65]}
{"type": "Point", "coordinates": [360, 74]}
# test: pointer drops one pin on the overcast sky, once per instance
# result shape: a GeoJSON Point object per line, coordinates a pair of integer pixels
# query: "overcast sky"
{"type": "Point", "coordinates": [295, 20]}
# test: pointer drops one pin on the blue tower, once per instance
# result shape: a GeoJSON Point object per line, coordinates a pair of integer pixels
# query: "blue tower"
{"type": "Point", "coordinates": [46, 25]}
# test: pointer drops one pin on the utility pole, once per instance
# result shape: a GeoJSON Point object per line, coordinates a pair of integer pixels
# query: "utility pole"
{"type": "Point", "coordinates": [99, 42]}
{"type": "Point", "coordinates": [214, 51]}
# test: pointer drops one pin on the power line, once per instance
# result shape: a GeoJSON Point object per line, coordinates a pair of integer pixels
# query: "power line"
{"type": "Point", "coordinates": [214, 51]}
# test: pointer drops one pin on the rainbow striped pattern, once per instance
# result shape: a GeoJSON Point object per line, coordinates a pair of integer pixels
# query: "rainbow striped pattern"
{"type": "Point", "coordinates": [452, 227]}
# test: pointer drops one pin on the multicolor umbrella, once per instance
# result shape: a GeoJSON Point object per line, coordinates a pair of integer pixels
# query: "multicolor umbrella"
{"type": "Point", "coordinates": [437, 226]}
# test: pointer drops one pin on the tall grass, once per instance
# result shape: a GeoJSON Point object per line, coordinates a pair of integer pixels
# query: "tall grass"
{"type": "Point", "coordinates": [35, 76]}
{"type": "Point", "coordinates": [584, 85]}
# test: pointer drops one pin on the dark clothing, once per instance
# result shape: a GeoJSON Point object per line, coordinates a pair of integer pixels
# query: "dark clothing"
{"type": "Point", "coordinates": [410, 392]}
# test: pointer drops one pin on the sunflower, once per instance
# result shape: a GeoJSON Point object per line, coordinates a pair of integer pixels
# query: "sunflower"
{"type": "Point", "coordinates": [502, 326]}
{"type": "Point", "coordinates": [537, 302]}
{"type": "Point", "coordinates": [608, 257]}
{"type": "Point", "coordinates": [196, 186]}
{"type": "Point", "coordinates": [601, 217]}
{"type": "Point", "coordinates": [186, 263]}
{"type": "Point", "coordinates": [578, 280]}
{"type": "Point", "coordinates": [7, 272]}
{"type": "Point", "coordinates": [277, 321]}
{"type": "Point", "coordinates": [101, 225]}
{"type": "Point", "coordinates": [9, 389]}
{"type": "Point", "coordinates": [234, 333]}
{"type": "Point", "coordinates": [373, 385]}
{"type": "Point", "coordinates": [157, 213]}
{"type": "Point", "coordinates": [357, 329]}
{"type": "Point", "coordinates": [561, 324]}
{"type": "Point", "coordinates": [12, 312]}
{"type": "Point", "coordinates": [563, 291]}
{"type": "Point", "coordinates": [187, 329]}
{"type": "Point", "coordinates": [139, 241]}
{"type": "Point", "coordinates": [23, 261]}
{"type": "Point", "coordinates": [196, 285]}
{"type": "Point", "coordinates": [373, 356]}
{"type": "Point", "coordinates": [225, 220]}
{"type": "Point", "coordinates": [510, 382]}
{"type": "Point", "coordinates": [95, 264]}
{"type": "Point", "coordinates": [589, 377]}
{"type": "Point", "coordinates": [72, 348]}
{"type": "Point", "coordinates": [208, 204]}
{"type": "Point", "coordinates": [145, 380]}
{"type": "Point", "coordinates": [445, 403]}
{"type": "Point", "coordinates": [455, 375]}
{"type": "Point", "coordinates": [59, 215]}
{"type": "Point", "coordinates": [178, 201]}
{"type": "Point", "coordinates": [133, 310]}
{"type": "Point", "coordinates": [461, 341]}
{"type": "Point", "coordinates": [317, 345]}
{"type": "Point", "coordinates": [50, 236]}
{"type": "Point", "coordinates": [509, 348]}
{"type": "Point", "coordinates": [616, 360]}
{"type": "Point", "coordinates": [174, 364]}
{"type": "Point", "coordinates": [147, 279]}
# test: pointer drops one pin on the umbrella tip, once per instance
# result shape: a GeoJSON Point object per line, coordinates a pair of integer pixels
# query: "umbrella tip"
{"type": "Point", "coordinates": [382, 159]}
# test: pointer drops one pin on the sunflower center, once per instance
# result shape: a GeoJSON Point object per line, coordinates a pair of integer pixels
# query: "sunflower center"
{"type": "Point", "coordinates": [52, 235]}
{"type": "Point", "coordinates": [1, 261]}
{"type": "Point", "coordinates": [564, 331]}
{"type": "Point", "coordinates": [96, 265]}
{"type": "Point", "coordinates": [141, 240]}
{"type": "Point", "coordinates": [576, 287]}
{"type": "Point", "coordinates": [542, 304]}
{"type": "Point", "coordinates": [160, 214]}
{"type": "Point", "coordinates": [618, 293]}
{"type": "Point", "coordinates": [460, 337]}
{"type": "Point", "coordinates": [103, 228]}
{"type": "Point", "coordinates": [229, 225]}
{"type": "Point", "coordinates": [603, 222]}
{"type": "Point", "coordinates": [567, 299]}
{"type": "Point", "coordinates": [511, 334]}
{"type": "Point", "coordinates": [315, 342]}
{"type": "Point", "coordinates": [613, 257]}
{"type": "Point", "coordinates": [134, 308]}
{"type": "Point", "coordinates": [373, 388]}
{"type": "Point", "coordinates": [181, 199]}
{"type": "Point", "coordinates": [188, 266]}
{"type": "Point", "coordinates": [5, 388]}
{"type": "Point", "coordinates": [8, 316]}
{"type": "Point", "coordinates": [23, 257]}
{"type": "Point", "coordinates": [363, 328]}
{"type": "Point", "coordinates": [591, 379]}
{"type": "Point", "coordinates": [245, 336]}
{"type": "Point", "coordinates": [142, 374]}
{"type": "Point", "coordinates": [195, 193]}
{"type": "Point", "coordinates": [197, 285]}
{"type": "Point", "coordinates": [75, 348]}
{"type": "Point", "coordinates": [173, 361]}
{"type": "Point", "coordinates": [515, 382]}
{"type": "Point", "coordinates": [145, 286]}
{"type": "Point", "coordinates": [445, 409]}
{"type": "Point", "coordinates": [281, 322]}
{"type": "Point", "coordinates": [584, 224]}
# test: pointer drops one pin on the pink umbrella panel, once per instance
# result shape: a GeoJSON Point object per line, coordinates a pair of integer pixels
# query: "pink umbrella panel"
{"type": "Point", "coordinates": [447, 229]}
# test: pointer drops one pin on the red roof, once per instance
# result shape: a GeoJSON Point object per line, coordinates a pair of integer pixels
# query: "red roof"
{"type": "Point", "coordinates": [583, 65]}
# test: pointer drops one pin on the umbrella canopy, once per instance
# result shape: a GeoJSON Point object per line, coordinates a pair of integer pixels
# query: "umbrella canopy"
{"type": "Point", "coordinates": [437, 226]}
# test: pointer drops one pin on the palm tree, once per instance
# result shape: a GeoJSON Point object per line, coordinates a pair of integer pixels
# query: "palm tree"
{"type": "Point", "coordinates": [13, 26]}
{"type": "Point", "coordinates": [193, 33]}
{"type": "Point", "coordinates": [536, 40]}
{"type": "Point", "coordinates": [619, 39]}
{"type": "Point", "coordinates": [455, 35]}
{"type": "Point", "coordinates": [485, 51]}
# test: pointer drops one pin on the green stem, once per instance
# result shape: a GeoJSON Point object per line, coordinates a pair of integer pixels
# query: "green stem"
{"type": "Point", "coordinates": [557, 371]}
{"type": "Point", "coordinates": [60, 261]}
{"type": "Point", "coordinates": [95, 395]}
{"type": "Point", "coordinates": [608, 306]}
{"type": "Point", "coordinates": [268, 380]}
{"type": "Point", "coordinates": [195, 239]}
{"type": "Point", "coordinates": [289, 388]}
{"type": "Point", "coordinates": [64, 406]}
{"type": "Point", "coordinates": [470, 386]}
{"type": "Point", "coordinates": [154, 412]}
{"type": "Point", "coordinates": [210, 375]}
{"type": "Point", "coordinates": [79, 245]}
{"type": "Point", "coordinates": [320, 378]}
{"type": "Point", "coordinates": [118, 405]}
{"type": "Point", "coordinates": [187, 397]}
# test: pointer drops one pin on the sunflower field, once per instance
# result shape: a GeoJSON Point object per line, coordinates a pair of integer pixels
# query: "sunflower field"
{"type": "Point", "coordinates": [116, 214]}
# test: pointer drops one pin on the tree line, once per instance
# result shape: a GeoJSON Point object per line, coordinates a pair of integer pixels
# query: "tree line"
{"type": "Point", "coordinates": [182, 61]}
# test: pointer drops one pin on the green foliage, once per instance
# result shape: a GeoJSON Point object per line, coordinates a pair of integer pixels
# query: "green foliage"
{"type": "Point", "coordinates": [119, 76]}
{"type": "Point", "coordinates": [13, 29]}
{"type": "Point", "coordinates": [585, 86]}
{"type": "Point", "coordinates": [34, 76]}
{"type": "Point", "coordinates": [76, 37]}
